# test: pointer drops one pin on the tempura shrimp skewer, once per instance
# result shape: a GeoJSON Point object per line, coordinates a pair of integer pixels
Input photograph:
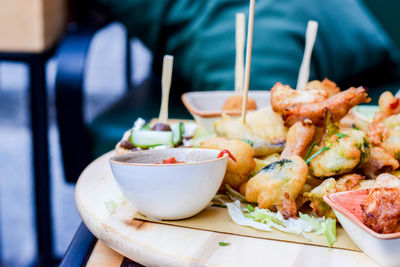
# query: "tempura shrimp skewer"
{"type": "Point", "coordinates": [339, 104]}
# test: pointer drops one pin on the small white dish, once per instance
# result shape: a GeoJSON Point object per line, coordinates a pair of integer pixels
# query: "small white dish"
{"type": "Point", "coordinates": [169, 191]}
{"type": "Point", "coordinates": [383, 248]}
{"type": "Point", "coordinates": [206, 106]}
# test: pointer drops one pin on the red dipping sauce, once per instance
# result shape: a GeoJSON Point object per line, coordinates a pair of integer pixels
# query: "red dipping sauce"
{"type": "Point", "coordinates": [171, 160]}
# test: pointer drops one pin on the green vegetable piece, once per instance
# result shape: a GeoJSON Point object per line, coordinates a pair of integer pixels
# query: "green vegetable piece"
{"type": "Point", "coordinates": [251, 143]}
{"type": "Point", "coordinates": [177, 132]}
{"type": "Point", "coordinates": [250, 208]}
{"type": "Point", "coordinates": [146, 138]}
{"type": "Point", "coordinates": [322, 150]}
{"type": "Point", "coordinates": [223, 244]}
{"type": "Point", "coordinates": [342, 135]}
{"type": "Point", "coordinates": [310, 150]}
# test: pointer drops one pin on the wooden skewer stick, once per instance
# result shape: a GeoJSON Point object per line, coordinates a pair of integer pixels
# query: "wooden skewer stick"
{"type": "Point", "coordinates": [240, 39]}
{"type": "Point", "coordinates": [250, 28]}
{"type": "Point", "coordinates": [304, 73]}
{"type": "Point", "coordinates": [166, 77]}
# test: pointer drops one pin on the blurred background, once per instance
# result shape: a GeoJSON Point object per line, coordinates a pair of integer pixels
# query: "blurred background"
{"type": "Point", "coordinates": [105, 70]}
{"type": "Point", "coordinates": [72, 80]}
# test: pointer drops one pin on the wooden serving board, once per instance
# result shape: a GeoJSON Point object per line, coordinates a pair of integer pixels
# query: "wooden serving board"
{"type": "Point", "coordinates": [165, 245]}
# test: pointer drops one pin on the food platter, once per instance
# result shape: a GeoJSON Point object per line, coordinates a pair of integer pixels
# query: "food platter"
{"type": "Point", "coordinates": [158, 244]}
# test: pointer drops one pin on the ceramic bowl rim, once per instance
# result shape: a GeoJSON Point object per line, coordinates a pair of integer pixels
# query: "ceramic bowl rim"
{"type": "Point", "coordinates": [349, 215]}
{"type": "Point", "coordinates": [114, 161]}
{"type": "Point", "coordinates": [211, 113]}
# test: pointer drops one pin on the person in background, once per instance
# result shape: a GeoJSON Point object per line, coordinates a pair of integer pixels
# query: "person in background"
{"type": "Point", "coordinates": [351, 48]}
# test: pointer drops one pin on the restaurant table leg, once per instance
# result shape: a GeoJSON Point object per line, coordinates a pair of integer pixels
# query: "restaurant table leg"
{"type": "Point", "coordinates": [39, 126]}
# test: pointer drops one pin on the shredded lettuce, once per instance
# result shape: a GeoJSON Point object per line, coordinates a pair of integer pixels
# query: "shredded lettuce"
{"type": "Point", "coordinates": [233, 194]}
{"type": "Point", "coordinates": [264, 219]}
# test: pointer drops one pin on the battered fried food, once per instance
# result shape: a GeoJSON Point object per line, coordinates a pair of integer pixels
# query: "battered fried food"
{"type": "Point", "coordinates": [339, 104]}
{"type": "Point", "coordinates": [235, 103]}
{"type": "Point", "coordinates": [379, 162]}
{"type": "Point", "coordinates": [340, 151]}
{"type": "Point", "coordinates": [326, 85]}
{"type": "Point", "coordinates": [263, 127]}
{"type": "Point", "coordinates": [340, 156]}
{"type": "Point", "coordinates": [354, 120]}
{"type": "Point", "coordinates": [236, 172]}
{"type": "Point", "coordinates": [316, 196]}
{"type": "Point", "coordinates": [298, 139]}
{"type": "Point", "coordinates": [283, 96]}
{"type": "Point", "coordinates": [381, 211]}
{"type": "Point", "coordinates": [269, 187]}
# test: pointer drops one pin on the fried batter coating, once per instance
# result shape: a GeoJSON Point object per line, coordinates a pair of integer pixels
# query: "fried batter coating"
{"type": "Point", "coordinates": [379, 161]}
{"type": "Point", "coordinates": [354, 120]}
{"type": "Point", "coordinates": [316, 196]}
{"type": "Point", "coordinates": [386, 120]}
{"type": "Point", "coordinates": [269, 186]}
{"type": "Point", "coordinates": [339, 104]}
{"type": "Point", "coordinates": [263, 127]}
{"type": "Point", "coordinates": [283, 96]}
{"type": "Point", "coordinates": [381, 211]}
{"type": "Point", "coordinates": [388, 104]}
{"type": "Point", "coordinates": [235, 103]}
{"type": "Point", "coordinates": [341, 157]}
{"type": "Point", "coordinates": [326, 85]}
{"type": "Point", "coordinates": [341, 150]}
{"type": "Point", "coordinates": [298, 138]}
{"type": "Point", "coordinates": [236, 172]}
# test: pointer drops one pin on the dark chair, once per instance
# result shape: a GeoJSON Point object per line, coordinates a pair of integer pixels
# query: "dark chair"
{"type": "Point", "coordinates": [82, 142]}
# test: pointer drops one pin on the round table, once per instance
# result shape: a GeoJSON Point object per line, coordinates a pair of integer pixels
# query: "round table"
{"type": "Point", "coordinates": [164, 245]}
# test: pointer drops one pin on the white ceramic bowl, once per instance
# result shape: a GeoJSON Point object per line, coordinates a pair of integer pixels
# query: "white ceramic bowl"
{"type": "Point", "coordinates": [206, 106]}
{"type": "Point", "coordinates": [383, 248]}
{"type": "Point", "coordinates": [169, 191]}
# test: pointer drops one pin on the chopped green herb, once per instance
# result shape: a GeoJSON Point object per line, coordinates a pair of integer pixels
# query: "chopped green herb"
{"type": "Point", "coordinates": [310, 150]}
{"type": "Point", "coordinates": [251, 143]}
{"type": "Point", "coordinates": [223, 244]}
{"type": "Point", "coordinates": [356, 128]}
{"type": "Point", "coordinates": [322, 150]}
{"type": "Point", "coordinates": [342, 135]}
{"type": "Point", "coordinates": [250, 208]}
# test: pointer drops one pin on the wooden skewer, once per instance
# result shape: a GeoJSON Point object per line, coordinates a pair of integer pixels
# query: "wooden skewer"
{"type": "Point", "coordinates": [240, 38]}
{"type": "Point", "coordinates": [304, 73]}
{"type": "Point", "coordinates": [250, 28]}
{"type": "Point", "coordinates": [166, 77]}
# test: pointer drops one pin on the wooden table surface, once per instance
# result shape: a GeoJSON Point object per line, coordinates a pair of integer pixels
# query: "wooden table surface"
{"type": "Point", "coordinates": [156, 244]}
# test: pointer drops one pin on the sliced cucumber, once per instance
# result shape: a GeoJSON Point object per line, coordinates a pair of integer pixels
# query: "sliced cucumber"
{"type": "Point", "coordinates": [146, 139]}
{"type": "Point", "coordinates": [177, 132]}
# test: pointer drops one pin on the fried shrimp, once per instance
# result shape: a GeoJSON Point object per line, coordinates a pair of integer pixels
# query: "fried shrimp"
{"type": "Point", "coordinates": [283, 96]}
{"type": "Point", "coordinates": [298, 138]}
{"type": "Point", "coordinates": [338, 104]}
{"type": "Point", "coordinates": [381, 211]}
{"type": "Point", "coordinates": [236, 172]}
{"type": "Point", "coordinates": [326, 85]}
{"type": "Point", "coordinates": [277, 185]}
